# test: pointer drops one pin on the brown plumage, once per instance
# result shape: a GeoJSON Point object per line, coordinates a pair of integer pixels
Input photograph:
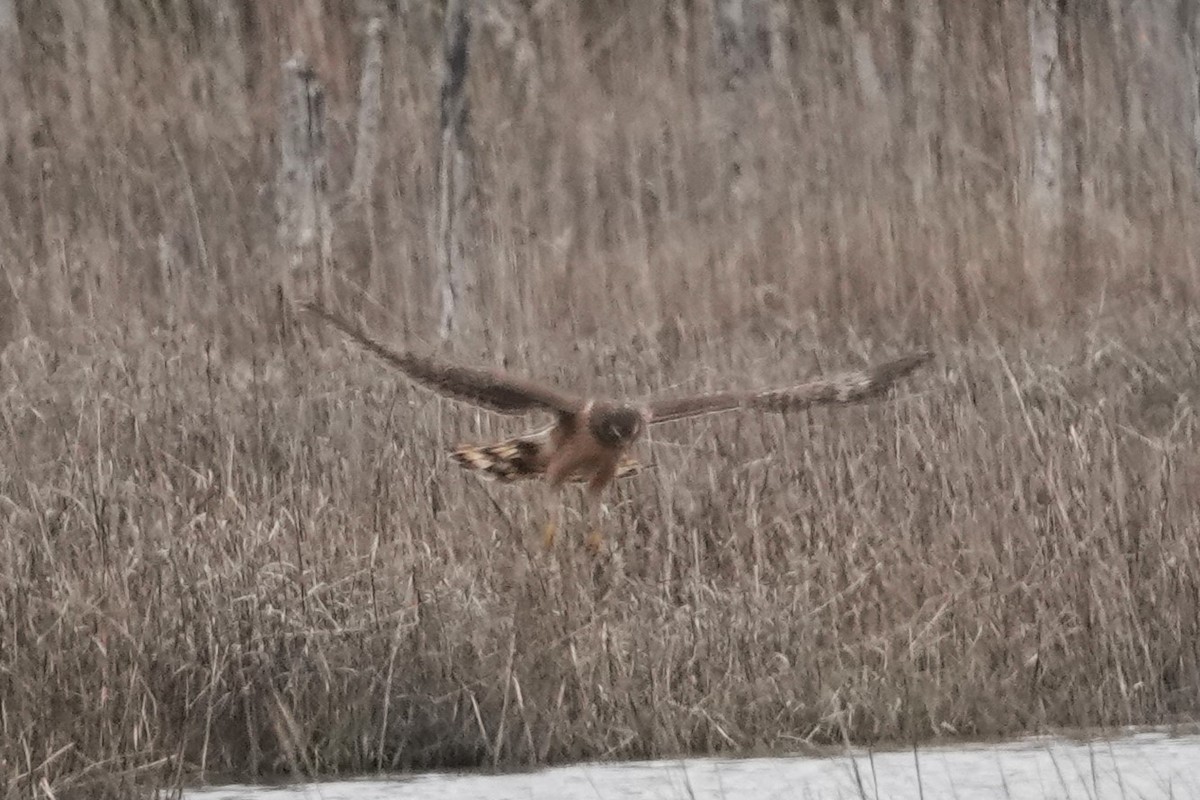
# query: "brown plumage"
{"type": "Point", "coordinates": [590, 439]}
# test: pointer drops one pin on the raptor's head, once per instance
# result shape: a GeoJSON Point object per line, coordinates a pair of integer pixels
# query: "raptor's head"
{"type": "Point", "coordinates": [616, 426]}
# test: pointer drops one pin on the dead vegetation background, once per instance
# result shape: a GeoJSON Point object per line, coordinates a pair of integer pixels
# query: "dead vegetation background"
{"type": "Point", "coordinates": [224, 553]}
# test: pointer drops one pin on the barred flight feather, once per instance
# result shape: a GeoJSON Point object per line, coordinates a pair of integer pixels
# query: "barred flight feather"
{"type": "Point", "coordinates": [522, 458]}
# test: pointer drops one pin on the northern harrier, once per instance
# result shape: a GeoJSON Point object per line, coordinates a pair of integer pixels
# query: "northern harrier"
{"type": "Point", "coordinates": [590, 438]}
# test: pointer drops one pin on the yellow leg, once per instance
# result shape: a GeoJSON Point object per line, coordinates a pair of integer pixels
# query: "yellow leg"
{"type": "Point", "coordinates": [553, 507]}
{"type": "Point", "coordinates": [595, 539]}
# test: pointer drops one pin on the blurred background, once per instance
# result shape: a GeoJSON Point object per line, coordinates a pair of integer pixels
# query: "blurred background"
{"type": "Point", "coordinates": [913, 165]}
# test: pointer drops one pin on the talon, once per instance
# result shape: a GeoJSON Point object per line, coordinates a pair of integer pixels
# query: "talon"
{"type": "Point", "coordinates": [548, 534]}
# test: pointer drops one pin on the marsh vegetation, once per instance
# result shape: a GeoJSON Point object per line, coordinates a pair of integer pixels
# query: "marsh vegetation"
{"type": "Point", "coordinates": [229, 547]}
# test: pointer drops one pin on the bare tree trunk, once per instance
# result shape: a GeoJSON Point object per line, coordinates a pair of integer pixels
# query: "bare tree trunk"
{"type": "Point", "coordinates": [506, 22]}
{"type": "Point", "coordinates": [745, 34]}
{"type": "Point", "coordinates": [925, 93]}
{"type": "Point", "coordinates": [75, 61]}
{"type": "Point", "coordinates": [1076, 266]}
{"type": "Point", "coordinates": [731, 37]}
{"type": "Point", "coordinates": [1191, 35]}
{"type": "Point", "coordinates": [1124, 60]}
{"type": "Point", "coordinates": [682, 22]}
{"type": "Point", "coordinates": [870, 85]}
{"type": "Point", "coordinates": [730, 24]}
{"type": "Point", "coordinates": [10, 313]}
{"type": "Point", "coordinates": [1162, 74]}
{"type": "Point", "coordinates": [302, 188]}
{"type": "Point", "coordinates": [12, 95]}
{"type": "Point", "coordinates": [370, 108]}
{"type": "Point", "coordinates": [88, 31]}
{"type": "Point", "coordinates": [1044, 196]}
{"type": "Point", "coordinates": [230, 75]}
{"type": "Point", "coordinates": [10, 32]}
{"type": "Point", "coordinates": [874, 98]}
{"type": "Point", "coordinates": [366, 145]}
{"type": "Point", "coordinates": [741, 31]}
{"type": "Point", "coordinates": [100, 64]}
{"type": "Point", "coordinates": [1145, 80]}
{"type": "Point", "coordinates": [779, 25]}
{"type": "Point", "coordinates": [455, 278]}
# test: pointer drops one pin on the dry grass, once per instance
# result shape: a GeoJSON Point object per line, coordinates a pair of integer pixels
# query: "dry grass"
{"type": "Point", "coordinates": [252, 568]}
{"type": "Point", "coordinates": [222, 555]}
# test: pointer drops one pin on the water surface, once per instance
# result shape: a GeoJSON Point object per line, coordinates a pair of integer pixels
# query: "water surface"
{"type": "Point", "coordinates": [1144, 765]}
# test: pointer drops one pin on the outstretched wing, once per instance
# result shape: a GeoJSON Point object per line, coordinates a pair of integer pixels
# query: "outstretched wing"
{"type": "Point", "coordinates": [488, 388]}
{"type": "Point", "coordinates": [850, 387]}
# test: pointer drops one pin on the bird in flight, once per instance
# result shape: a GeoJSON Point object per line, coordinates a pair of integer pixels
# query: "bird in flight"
{"type": "Point", "coordinates": [590, 438]}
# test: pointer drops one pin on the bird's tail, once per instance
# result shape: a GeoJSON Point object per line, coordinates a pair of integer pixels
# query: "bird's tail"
{"type": "Point", "coordinates": [521, 458]}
